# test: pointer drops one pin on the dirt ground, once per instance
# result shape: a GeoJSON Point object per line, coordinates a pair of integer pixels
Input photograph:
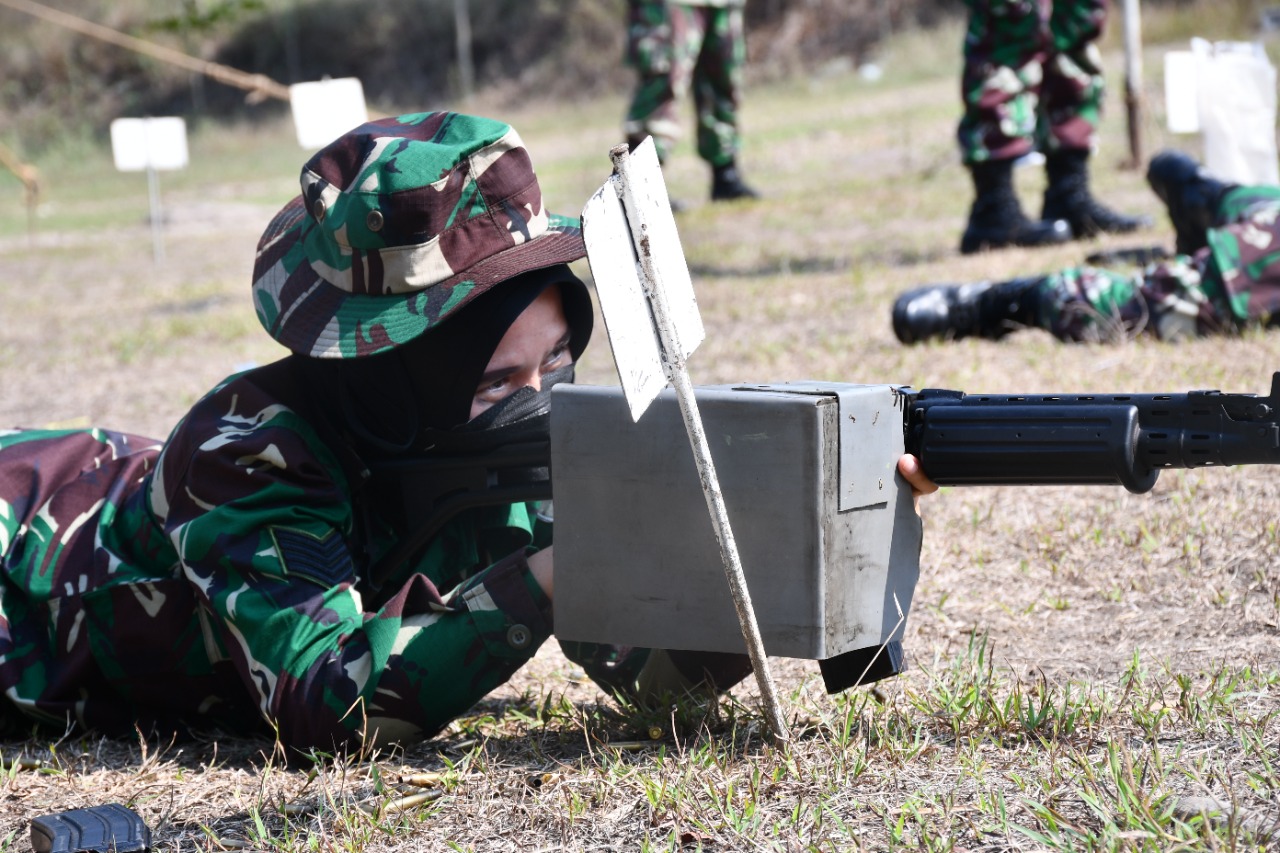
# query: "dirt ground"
{"type": "Point", "coordinates": [102, 334]}
{"type": "Point", "coordinates": [1067, 583]}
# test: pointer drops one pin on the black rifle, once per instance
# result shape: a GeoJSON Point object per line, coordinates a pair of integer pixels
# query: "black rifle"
{"type": "Point", "coordinates": [961, 440]}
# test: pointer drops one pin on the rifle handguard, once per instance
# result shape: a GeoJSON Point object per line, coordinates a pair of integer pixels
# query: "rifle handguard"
{"type": "Point", "coordinates": [1095, 439]}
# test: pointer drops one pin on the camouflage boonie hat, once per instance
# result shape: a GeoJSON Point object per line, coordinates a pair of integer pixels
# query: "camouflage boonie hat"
{"type": "Point", "coordinates": [401, 222]}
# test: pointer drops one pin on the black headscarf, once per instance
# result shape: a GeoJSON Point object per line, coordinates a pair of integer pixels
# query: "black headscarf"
{"type": "Point", "coordinates": [405, 399]}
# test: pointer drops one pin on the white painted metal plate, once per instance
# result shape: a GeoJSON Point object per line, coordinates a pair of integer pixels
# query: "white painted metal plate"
{"type": "Point", "coordinates": [1181, 95]}
{"type": "Point", "coordinates": [613, 253]}
{"type": "Point", "coordinates": [139, 144]}
{"type": "Point", "coordinates": [323, 110]}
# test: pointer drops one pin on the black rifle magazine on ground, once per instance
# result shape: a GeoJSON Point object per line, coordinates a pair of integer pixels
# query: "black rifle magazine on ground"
{"type": "Point", "coordinates": [110, 827]}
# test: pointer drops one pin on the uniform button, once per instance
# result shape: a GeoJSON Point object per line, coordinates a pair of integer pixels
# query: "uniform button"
{"type": "Point", "coordinates": [374, 220]}
{"type": "Point", "coordinates": [318, 210]}
{"type": "Point", "coordinates": [519, 637]}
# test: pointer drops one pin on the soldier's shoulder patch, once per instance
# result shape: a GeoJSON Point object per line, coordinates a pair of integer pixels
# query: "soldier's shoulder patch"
{"type": "Point", "coordinates": [322, 559]}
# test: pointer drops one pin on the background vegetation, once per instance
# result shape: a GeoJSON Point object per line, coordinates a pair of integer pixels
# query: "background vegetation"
{"type": "Point", "coordinates": [1090, 669]}
{"type": "Point", "coordinates": [404, 51]}
{"type": "Point", "coordinates": [55, 83]}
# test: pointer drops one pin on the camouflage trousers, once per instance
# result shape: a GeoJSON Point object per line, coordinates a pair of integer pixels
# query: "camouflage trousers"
{"type": "Point", "coordinates": [676, 46]}
{"type": "Point", "coordinates": [1230, 285]}
{"type": "Point", "coordinates": [1032, 77]}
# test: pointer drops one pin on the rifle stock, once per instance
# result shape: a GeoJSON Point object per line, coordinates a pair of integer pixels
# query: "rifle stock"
{"type": "Point", "coordinates": [436, 487]}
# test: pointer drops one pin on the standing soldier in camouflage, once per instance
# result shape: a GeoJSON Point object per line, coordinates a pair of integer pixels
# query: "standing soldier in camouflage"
{"type": "Point", "coordinates": [1224, 278]}
{"type": "Point", "coordinates": [224, 580]}
{"type": "Point", "coordinates": [1033, 81]}
{"type": "Point", "coordinates": [678, 44]}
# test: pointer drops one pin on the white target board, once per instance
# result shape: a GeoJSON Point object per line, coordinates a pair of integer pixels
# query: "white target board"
{"type": "Point", "coordinates": [143, 144]}
{"type": "Point", "coordinates": [323, 110]}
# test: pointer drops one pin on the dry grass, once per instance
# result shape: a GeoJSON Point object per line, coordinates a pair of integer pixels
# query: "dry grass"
{"type": "Point", "coordinates": [1085, 662]}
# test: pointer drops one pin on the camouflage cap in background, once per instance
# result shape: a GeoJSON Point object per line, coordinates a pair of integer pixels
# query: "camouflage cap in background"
{"type": "Point", "coordinates": [401, 222]}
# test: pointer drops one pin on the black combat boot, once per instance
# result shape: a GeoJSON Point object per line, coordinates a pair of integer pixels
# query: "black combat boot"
{"type": "Point", "coordinates": [954, 311]}
{"type": "Point", "coordinates": [727, 184]}
{"type": "Point", "coordinates": [996, 219]}
{"type": "Point", "coordinates": [1190, 195]}
{"type": "Point", "coordinates": [1067, 197]}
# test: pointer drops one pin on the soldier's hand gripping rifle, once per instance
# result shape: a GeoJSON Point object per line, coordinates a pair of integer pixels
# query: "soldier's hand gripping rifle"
{"type": "Point", "coordinates": [826, 528]}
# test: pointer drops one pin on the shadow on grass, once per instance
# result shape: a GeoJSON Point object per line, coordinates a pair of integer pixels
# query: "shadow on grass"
{"type": "Point", "coordinates": [775, 267]}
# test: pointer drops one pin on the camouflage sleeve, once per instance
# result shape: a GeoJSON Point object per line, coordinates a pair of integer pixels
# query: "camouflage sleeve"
{"type": "Point", "coordinates": [262, 521]}
{"type": "Point", "coordinates": [1242, 261]}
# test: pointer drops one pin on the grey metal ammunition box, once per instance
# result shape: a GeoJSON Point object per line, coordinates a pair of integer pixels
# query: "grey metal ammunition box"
{"type": "Point", "coordinates": [825, 526]}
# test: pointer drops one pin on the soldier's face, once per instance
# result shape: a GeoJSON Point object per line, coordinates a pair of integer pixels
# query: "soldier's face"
{"type": "Point", "coordinates": [536, 344]}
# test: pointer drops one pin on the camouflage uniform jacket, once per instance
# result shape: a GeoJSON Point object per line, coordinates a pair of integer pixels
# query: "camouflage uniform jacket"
{"type": "Point", "coordinates": [219, 582]}
{"type": "Point", "coordinates": [1231, 284]}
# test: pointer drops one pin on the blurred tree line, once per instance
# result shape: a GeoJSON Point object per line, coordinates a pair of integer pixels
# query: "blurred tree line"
{"type": "Point", "coordinates": [54, 81]}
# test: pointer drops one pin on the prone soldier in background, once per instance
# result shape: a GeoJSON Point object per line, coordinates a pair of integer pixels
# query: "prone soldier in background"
{"type": "Point", "coordinates": [1032, 82]}
{"type": "Point", "coordinates": [675, 45]}
{"type": "Point", "coordinates": [1224, 278]}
